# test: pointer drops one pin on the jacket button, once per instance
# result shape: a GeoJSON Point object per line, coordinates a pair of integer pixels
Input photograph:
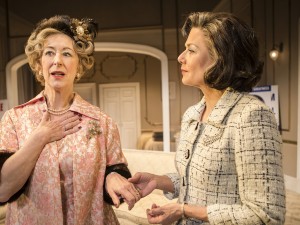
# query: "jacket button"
{"type": "Point", "coordinates": [187, 154]}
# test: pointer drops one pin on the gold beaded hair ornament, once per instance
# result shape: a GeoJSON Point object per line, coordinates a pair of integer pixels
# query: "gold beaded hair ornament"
{"type": "Point", "coordinates": [83, 31]}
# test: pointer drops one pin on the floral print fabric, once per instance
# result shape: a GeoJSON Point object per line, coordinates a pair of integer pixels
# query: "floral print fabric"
{"type": "Point", "coordinates": [69, 173]}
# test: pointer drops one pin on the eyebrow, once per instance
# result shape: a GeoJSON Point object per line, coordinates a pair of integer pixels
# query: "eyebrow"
{"type": "Point", "coordinates": [65, 48]}
{"type": "Point", "coordinates": [191, 44]}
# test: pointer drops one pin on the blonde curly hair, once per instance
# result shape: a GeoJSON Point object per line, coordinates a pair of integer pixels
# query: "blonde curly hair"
{"type": "Point", "coordinates": [83, 32]}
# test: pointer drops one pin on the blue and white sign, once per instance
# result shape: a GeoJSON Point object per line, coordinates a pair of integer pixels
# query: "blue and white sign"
{"type": "Point", "coordinates": [269, 95]}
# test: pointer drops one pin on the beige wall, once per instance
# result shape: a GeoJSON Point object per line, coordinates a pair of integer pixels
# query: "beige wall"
{"type": "Point", "coordinates": [275, 21]}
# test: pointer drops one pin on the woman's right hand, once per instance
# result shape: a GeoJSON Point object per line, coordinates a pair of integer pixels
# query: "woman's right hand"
{"type": "Point", "coordinates": [57, 128]}
{"type": "Point", "coordinates": [144, 182]}
{"type": "Point", "coordinates": [164, 215]}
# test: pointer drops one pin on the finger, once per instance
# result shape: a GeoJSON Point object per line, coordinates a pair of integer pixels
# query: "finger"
{"type": "Point", "coordinates": [46, 116]}
{"type": "Point", "coordinates": [71, 125]}
{"type": "Point", "coordinates": [135, 178]}
{"type": "Point", "coordinates": [73, 130]}
{"type": "Point", "coordinates": [151, 218]}
{"type": "Point", "coordinates": [139, 191]}
{"type": "Point", "coordinates": [130, 205]}
{"type": "Point", "coordinates": [70, 114]}
{"type": "Point", "coordinates": [156, 212]}
{"type": "Point", "coordinates": [115, 198]}
{"type": "Point", "coordinates": [154, 206]}
{"type": "Point", "coordinates": [136, 193]}
{"type": "Point", "coordinates": [129, 199]}
{"type": "Point", "coordinates": [147, 211]}
{"type": "Point", "coordinates": [70, 118]}
{"type": "Point", "coordinates": [149, 215]}
{"type": "Point", "coordinates": [148, 189]}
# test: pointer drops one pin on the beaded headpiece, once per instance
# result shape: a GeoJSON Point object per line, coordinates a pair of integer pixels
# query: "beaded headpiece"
{"type": "Point", "coordinates": [81, 31]}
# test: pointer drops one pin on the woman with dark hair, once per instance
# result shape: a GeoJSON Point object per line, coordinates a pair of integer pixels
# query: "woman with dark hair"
{"type": "Point", "coordinates": [228, 160]}
{"type": "Point", "coordinates": [64, 156]}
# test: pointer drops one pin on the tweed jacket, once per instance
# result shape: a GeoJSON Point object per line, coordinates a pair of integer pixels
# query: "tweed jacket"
{"type": "Point", "coordinates": [232, 164]}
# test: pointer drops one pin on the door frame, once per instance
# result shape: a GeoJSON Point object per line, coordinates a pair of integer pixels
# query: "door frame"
{"type": "Point", "coordinates": [14, 64]}
{"type": "Point", "coordinates": [298, 130]}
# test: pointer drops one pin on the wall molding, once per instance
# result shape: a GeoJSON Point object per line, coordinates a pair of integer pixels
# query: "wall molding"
{"type": "Point", "coordinates": [17, 62]}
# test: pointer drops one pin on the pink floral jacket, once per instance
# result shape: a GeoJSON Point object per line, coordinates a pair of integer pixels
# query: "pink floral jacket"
{"type": "Point", "coordinates": [95, 146]}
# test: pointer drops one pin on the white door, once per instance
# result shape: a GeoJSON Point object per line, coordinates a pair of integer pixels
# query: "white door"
{"type": "Point", "coordinates": [121, 101]}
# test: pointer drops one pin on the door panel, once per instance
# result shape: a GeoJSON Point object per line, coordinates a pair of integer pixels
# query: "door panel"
{"type": "Point", "coordinates": [121, 102]}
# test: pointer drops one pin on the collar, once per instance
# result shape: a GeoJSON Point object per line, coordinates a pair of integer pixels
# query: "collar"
{"type": "Point", "coordinates": [79, 105]}
{"type": "Point", "coordinates": [229, 98]}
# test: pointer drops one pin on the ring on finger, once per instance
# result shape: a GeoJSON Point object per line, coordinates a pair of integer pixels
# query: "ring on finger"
{"type": "Point", "coordinates": [138, 194]}
{"type": "Point", "coordinates": [138, 190]}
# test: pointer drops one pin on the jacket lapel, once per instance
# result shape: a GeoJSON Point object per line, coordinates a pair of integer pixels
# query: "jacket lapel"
{"type": "Point", "coordinates": [223, 107]}
{"type": "Point", "coordinates": [216, 123]}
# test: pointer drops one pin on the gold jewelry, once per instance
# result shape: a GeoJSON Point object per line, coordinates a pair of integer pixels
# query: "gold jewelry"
{"type": "Point", "coordinates": [58, 112]}
{"type": "Point", "coordinates": [138, 194]}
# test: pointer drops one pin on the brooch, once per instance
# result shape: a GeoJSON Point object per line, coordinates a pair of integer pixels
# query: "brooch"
{"type": "Point", "coordinates": [94, 129]}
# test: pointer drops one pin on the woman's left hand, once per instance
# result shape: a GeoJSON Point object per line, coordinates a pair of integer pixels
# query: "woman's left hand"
{"type": "Point", "coordinates": [164, 215]}
{"type": "Point", "coordinates": [118, 187]}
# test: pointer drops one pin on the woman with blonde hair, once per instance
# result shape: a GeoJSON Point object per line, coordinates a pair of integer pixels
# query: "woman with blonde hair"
{"type": "Point", "coordinates": [64, 159]}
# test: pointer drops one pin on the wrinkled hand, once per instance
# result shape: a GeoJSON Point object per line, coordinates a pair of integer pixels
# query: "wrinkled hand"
{"type": "Point", "coordinates": [56, 129]}
{"type": "Point", "coordinates": [118, 187]}
{"type": "Point", "coordinates": [145, 182]}
{"type": "Point", "coordinates": [164, 215]}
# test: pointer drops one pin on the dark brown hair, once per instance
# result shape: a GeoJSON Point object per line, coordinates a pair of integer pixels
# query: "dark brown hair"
{"type": "Point", "coordinates": [234, 47]}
